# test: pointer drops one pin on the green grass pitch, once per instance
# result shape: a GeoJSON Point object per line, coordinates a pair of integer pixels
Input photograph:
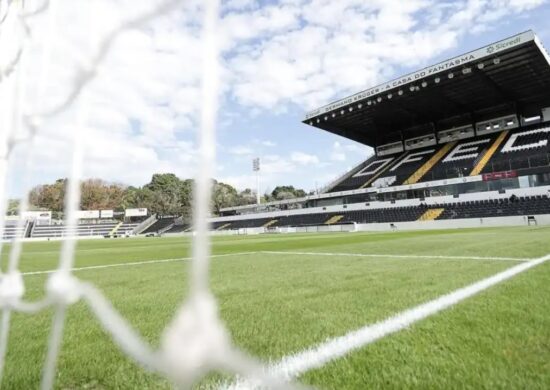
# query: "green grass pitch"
{"type": "Point", "coordinates": [280, 304]}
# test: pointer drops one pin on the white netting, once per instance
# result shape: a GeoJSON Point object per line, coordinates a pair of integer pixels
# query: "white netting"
{"type": "Point", "coordinates": [36, 104]}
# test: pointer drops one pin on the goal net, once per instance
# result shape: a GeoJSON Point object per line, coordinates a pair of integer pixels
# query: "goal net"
{"type": "Point", "coordinates": [52, 54]}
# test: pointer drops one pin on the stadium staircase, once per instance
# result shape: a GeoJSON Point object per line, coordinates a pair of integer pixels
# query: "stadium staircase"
{"type": "Point", "coordinates": [334, 219]}
{"type": "Point", "coordinates": [419, 174]}
{"type": "Point", "coordinates": [489, 154]}
{"type": "Point", "coordinates": [115, 229]}
{"type": "Point", "coordinates": [160, 225]}
{"type": "Point", "coordinates": [270, 223]}
{"type": "Point", "coordinates": [143, 226]}
{"type": "Point", "coordinates": [28, 229]}
{"type": "Point", "coordinates": [180, 227]}
{"type": "Point", "coordinates": [431, 214]}
{"type": "Point", "coordinates": [223, 227]}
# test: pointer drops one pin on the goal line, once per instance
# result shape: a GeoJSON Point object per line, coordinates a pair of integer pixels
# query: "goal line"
{"type": "Point", "coordinates": [396, 256]}
{"type": "Point", "coordinates": [324, 254]}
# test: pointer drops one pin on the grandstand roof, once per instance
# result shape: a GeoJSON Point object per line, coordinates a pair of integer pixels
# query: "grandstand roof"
{"type": "Point", "coordinates": [509, 76]}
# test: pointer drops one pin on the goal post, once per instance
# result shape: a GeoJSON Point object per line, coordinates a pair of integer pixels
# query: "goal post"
{"type": "Point", "coordinates": [196, 341]}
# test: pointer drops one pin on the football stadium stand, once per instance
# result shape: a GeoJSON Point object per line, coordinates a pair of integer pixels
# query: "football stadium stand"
{"type": "Point", "coordinates": [483, 208]}
{"type": "Point", "coordinates": [467, 138]}
{"type": "Point", "coordinates": [11, 230]}
{"type": "Point", "coordinates": [105, 229]}
{"type": "Point", "coordinates": [179, 228]}
{"type": "Point", "coordinates": [523, 149]}
{"type": "Point", "coordinates": [161, 224]}
{"type": "Point", "coordinates": [463, 140]}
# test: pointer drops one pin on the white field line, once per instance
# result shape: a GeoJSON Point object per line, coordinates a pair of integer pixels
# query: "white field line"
{"type": "Point", "coordinates": [143, 262]}
{"type": "Point", "coordinates": [395, 256]}
{"type": "Point", "coordinates": [294, 365]}
{"type": "Point", "coordinates": [133, 263]}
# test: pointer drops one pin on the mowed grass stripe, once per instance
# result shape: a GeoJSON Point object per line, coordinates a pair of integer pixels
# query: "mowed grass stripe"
{"type": "Point", "coordinates": [43, 256]}
{"type": "Point", "coordinates": [291, 366]}
{"type": "Point", "coordinates": [288, 303]}
{"type": "Point", "coordinates": [132, 264]}
{"type": "Point", "coordinates": [272, 308]}
{"type": "Point", "coordinates": [499, 339]}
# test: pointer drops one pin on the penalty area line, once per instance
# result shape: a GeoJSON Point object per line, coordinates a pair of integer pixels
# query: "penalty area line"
{"type": "Point", "coordinates": [133, 263]}
{"type": "Point", "coordinates": [397, 256]}
{"type": "Point", "coordinates": [293, 366]}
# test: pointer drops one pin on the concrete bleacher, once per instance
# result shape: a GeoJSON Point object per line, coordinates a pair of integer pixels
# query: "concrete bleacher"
{"type": "Point", "coordinates": [358, 176]}
{"type": "Point", "coordinates": [126, 228]}
{"type": "Point", "coordinates": [398, 214]}
{"type": "Point", "coordinates": [160, 224]}
{"type": "Point", "coordinates": [522, 148]}
{"type": "Point", "coordinates": [529, 205]}
{"type": "Point", "coordinates": [11, 230]}
{"type": "Point", "coordinates": [519, 202]}
{"type": "Point", "coordinates": [110, 228]}
{"type": "Point", "coordinates": [179, 228]}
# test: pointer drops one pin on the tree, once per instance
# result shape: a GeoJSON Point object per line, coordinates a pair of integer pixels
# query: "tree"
{"type": "Point", "coordinates": [99, 195]}
{"type": "Point", "coordinates": [223, 195]}
{"type": "Point", "coordinates": [13, 206]}
{"type": "Point", "coordinates": [165, 194]}
{"type": "Point", "coordinates": [246, 197]}
{"type": "Point", "coordinates": [287, 192]}
{"type": "Point", "coordinates": [49, 196]}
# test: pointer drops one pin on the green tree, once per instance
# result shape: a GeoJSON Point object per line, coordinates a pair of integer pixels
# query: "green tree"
{"type": "Point", "coordinates": [13, 206]}
{"type": "Point", "coordinates": [246, 197]}
{"type": "Point", "coordinates": [287, 192]}
{"type": "Point", "coordinates": [223, 195]}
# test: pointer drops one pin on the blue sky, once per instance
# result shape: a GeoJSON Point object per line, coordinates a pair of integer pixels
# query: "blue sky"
{"type": "Point", "coordinates": [279, 60]}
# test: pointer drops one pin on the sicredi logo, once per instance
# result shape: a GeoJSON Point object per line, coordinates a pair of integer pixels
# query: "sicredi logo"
{"type": "Point", "coordinates": [503, 45]}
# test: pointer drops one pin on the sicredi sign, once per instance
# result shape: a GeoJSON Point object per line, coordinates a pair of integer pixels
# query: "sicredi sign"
{"type": "Point", "coordinates": [429, 71]}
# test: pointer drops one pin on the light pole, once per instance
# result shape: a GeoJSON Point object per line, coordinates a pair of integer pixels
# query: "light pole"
{"type": "Point", "coordinates": [256, 168]}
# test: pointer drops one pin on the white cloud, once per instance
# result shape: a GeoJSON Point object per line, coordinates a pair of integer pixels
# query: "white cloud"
{"type": "Point", "coordinates": [144, 103]}
{"type": "Point", "coordinates": [304, 158]}
{"type": "Point", "coordinates": [240, 182]}
{"type": "Point", "coordinates": [341, 152]}
{"type": "Point", "coordinates": [275, 164]}
{"type": "Point", "coordinates": [343, 46]}
{"type": "Point", "coordinates": [338, 156]}
{"type": "Point", "coordinates": [241, 151]}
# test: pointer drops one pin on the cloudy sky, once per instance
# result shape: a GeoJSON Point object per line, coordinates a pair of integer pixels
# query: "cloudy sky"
{"type": "Point", "coordinates": [279, 59]}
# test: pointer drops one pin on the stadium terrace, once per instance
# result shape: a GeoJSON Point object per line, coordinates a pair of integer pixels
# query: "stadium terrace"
{"type": "Point", "coordinates": [464, 142]}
